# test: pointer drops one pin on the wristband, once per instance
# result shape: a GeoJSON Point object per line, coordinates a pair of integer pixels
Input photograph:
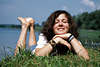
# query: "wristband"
{"type": "Point", "coordinates": [52, 43]}
{"type": "Point", "coordinates": [70, 38]}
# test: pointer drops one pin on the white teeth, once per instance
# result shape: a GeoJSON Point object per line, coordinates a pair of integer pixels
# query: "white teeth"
{"type": "Point", "coordinates": [60, 29]}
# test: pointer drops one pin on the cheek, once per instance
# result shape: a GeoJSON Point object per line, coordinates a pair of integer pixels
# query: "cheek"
{"type": "Point", "coordinates": [67, 27]}
{"type": "Point", "coordinates": [54, 28]}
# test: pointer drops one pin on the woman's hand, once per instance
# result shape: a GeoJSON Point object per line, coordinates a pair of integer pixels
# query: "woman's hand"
{"type": "Point", "coordinates": [64, 36]}
{"type": "Point", "coordinates": [61, 41]}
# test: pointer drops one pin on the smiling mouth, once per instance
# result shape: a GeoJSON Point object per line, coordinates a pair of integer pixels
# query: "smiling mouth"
{"type": "Point", "coordinates": [60, 29]}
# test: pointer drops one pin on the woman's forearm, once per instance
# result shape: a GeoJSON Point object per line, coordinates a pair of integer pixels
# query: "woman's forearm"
{"type": "Point", "coordinates": [43, 51]}
{"type": "Point", "coordinates": [79, 49]}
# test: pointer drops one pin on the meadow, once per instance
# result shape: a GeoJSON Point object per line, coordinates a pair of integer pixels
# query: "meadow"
{"type": "Point", "coordinates": [25, 59]}
{"type": "Point", "coordinates": [90, 40]}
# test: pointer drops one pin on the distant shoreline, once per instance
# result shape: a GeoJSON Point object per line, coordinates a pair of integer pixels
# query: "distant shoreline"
{"type": "Point", "coordinates": [15, 26]}
{"type": "Point", "coordinates": [9, 26]}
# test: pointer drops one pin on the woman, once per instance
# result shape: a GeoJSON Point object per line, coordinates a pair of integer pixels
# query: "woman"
{"type": "Point", "coordinates": [59, 35]}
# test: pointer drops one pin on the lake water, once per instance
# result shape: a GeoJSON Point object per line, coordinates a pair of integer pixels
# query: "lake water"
{"type": "Point", "coordinates": [8, 40]}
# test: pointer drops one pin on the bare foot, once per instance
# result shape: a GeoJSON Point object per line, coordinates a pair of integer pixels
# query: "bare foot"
{"type": "Point", "coordinates": [23, 21]}
{"type": "Point", "coordinates": [30, 20]}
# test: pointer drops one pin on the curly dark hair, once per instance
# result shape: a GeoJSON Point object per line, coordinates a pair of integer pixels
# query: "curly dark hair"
{"type": "Point", "coordinates": [48, 25]}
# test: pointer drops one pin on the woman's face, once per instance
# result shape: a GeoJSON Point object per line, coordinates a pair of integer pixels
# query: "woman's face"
{"type": "Point", "coordinates": [61, 25]}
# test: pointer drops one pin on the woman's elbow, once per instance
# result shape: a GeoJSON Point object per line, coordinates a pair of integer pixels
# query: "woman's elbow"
{"type": "Point", "coordinates": [84, 54]}
{"type": "Point", "coordinates": [38, 53]}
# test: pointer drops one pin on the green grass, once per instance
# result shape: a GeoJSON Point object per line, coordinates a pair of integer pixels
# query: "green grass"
{"type": "Point", "coordinates": [90, 38]}
{"type": "Point", "coordinates": [90, 35]}
{"type": "Point", "coordinates": [25, 59]}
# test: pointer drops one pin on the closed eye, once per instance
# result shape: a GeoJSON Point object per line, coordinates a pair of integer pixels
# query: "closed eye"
{"type": "Point", "coordinates": [64, 21]}
{"type": "Point", "coordinates": [56, 21]}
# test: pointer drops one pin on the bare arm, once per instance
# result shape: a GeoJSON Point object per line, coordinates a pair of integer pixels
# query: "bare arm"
{"type": "Point", "coordinates": [43, 51]}
{"type": "Point", "coordinates": [79, 49]}
{"type": "Point", "coordinates": [48, 48]}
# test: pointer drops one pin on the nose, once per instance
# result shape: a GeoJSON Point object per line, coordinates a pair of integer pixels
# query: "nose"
{"type": "Point", "coordinates": [60, 23]}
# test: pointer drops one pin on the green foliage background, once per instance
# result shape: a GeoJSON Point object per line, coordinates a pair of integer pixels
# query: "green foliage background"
{"type": "Point", "coordinates": [88, 20]}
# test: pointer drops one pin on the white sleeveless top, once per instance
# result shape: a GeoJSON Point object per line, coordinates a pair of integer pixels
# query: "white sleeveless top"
{"type": "Point", "coordinates": [41, 42]}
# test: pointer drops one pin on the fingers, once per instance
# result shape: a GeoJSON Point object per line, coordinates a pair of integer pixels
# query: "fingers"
{"type": "Point", "coordinates": [62, 41]}
{"type": "Point", "coordinates": [64, 36]}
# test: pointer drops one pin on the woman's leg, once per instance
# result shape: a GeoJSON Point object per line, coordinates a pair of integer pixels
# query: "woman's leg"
{"type": "Point", "coordinates": [32, 37]}
{"type": "Point", "coordinates": [22, 38]}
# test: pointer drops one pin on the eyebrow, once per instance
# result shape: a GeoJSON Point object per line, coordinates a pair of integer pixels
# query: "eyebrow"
{"type": "Point", "coordinates": [62, 19]}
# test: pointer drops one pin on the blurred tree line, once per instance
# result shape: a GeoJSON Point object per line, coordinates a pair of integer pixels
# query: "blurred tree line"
{"type": "Point", "coordinates": [88, 20]}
